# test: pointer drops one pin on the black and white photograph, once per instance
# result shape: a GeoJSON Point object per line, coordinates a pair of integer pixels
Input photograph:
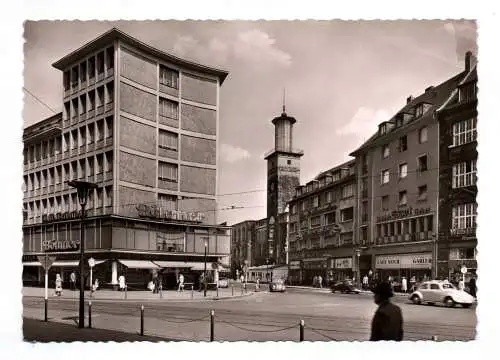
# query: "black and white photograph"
{"type": "Point", "coordinates": [250, 180]}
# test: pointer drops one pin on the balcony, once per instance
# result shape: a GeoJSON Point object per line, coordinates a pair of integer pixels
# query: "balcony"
{"type": "Point", "coordinates": [83, 117]}
{"type": "Point", "coordinates": [83, 85]}
{"type": "Point", "coordinates": [51, 189]}
{"type": "Point", "coordinates": [98, 177]}
{"type": "Point", "coordinates": [108, 175]}
{"type": "Point", "coordinates": [108, 107]}
{"type": "Point", "coordinates": [74, 119]}
{"type": "Point", "coordinates": [108, 141]}
{"type": "Point", "coordinates": [100, 76]}
{"type": "Point", "coordinates": [91, 80]}
{"type": "Point", "coordinates": [100, 110]}
{"type": "Point", "coordinates": [90, 113]}
{"type": "Point", "coordinates": [110, 72]}
{"type": "Point", "coordinates": [66, 92]}
{"type": "Point", "coordinates": [99, 144]}
{"type": "Point", "coordinates": [66, 123]}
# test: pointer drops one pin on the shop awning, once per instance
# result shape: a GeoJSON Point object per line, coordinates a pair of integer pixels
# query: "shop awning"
{"type": "Point", "coordinates": [62, 263]}
{"type": "Point", "coordinates": [68, 263]}
{"type": "Point", "coordinates": [173, 264]}
{"type": "Point", "coordinates": [32, 263]}
{"type": "Point", "coordinates": [139, 264]}
{"type": "Point", "coordinates": [200, 266]}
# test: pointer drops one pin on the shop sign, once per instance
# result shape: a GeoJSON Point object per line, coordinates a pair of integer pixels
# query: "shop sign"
{"type": "Point", "coordinates": [417, 261]}
{"type": "Point", "coordinates": [294, 265]}
{"type": "Point", "coordinates": [157, 212]}
{"type": "Point", "coordinates": [343, 263]}
{"type": "Point", "coordinates": [60, 245]}
{"type": "Point", "coordinates": [70, 215]}
{"type": "Point", "coordinates": [400, 214]}
{"type": "Point", "coordinates": [466, 231]}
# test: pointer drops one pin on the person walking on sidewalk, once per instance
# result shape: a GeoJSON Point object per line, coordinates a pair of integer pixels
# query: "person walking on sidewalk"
{"type": "Point", "coordinates": [58, 289]}
{"type": "Point", "coordinates": [320, 282]}
{"type": "Point", "coordinates": [387, 323]}
{"type": "Point", "coordinates": [404, 285]}
{"type": "Point", "coordinates": [121, 282]}
{"type": "Point", "coordinates": [72, 280]}
{"type": "Point", "coordinates": [181, 283]}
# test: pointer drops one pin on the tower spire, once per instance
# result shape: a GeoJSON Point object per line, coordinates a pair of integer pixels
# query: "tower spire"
{"type": "Point", "coordinates": [284, 98]}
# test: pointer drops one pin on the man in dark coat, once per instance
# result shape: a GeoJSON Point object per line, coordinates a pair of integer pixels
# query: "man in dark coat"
{"type": "Point", "coordinates": [387, 323]}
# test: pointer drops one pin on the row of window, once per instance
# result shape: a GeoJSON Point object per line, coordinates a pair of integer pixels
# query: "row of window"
{"type": "Point", "coordinates": [405, 117]}
{"type": "Point", "coordinates": [408, 226]}
{"type": "Point", "coordinates": [345, 192]}
{"type": "Point", "coordinates": [422, 166]}
{"type": "Point", "coordinates": [464, 132]}
{"type": "Point", "coordinates": [168, 171]}
{"type": "Point", "coordinates": [330, 218]}
{"type": "Point", "coordinates": [89, 101]}
{"type": "Point", "coordinates": [73, 170]}
{"type": "Point", "coordinates": [100, 197]}
{"type": "Point", "coordinates": [316, 242]}
{"type": "Point", "coordinates": [85, 135]}
{"type": "Point", "coordinates": [89, 69]}
{"type": "Point", "coordinates": [403, 143]}
{"type": "Point", "coordinates": [403, 197]}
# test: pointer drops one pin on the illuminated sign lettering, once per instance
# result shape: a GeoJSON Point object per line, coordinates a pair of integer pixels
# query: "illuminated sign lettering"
{"type": "Point", "coordinates": [157, 212]}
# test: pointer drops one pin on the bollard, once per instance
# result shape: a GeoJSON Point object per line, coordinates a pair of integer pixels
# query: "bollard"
{"type": "Point", "coordinates": [90, 314]}
{"type": "Point", "coordinates": [142, 320]}
{"type": "Point", "coordinates": [192, 291]}
{"type": "Point", "coordinates": [217, 290]}
{"type": "Point", "coordinates": [241, 289]}
{"type": "Point", "coordinates": [434, 338]}
{"type": "Point", "coordinates": [245, 288]}
{"type": "Point", "coordinates": [232, 290]}
{"type": "Point", "coordinates": [126, 287]}
{"type": "Point", "coordinates": [46, 316]}
{"type": "Point", "coordinates": [212, 325]}
{"type": "Point", "coordinates": [301, 334]}
{"type": "Point", "coordinates": [161, 293]}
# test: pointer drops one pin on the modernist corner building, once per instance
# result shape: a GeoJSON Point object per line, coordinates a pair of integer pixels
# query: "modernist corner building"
{"type": "Point", "coordinates": [142, 125]}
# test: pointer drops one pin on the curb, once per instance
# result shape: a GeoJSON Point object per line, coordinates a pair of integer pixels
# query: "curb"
{"type": "Point", "coordinates": [326, 290]}
{"type": "Point", "coordinates": [208, 298]}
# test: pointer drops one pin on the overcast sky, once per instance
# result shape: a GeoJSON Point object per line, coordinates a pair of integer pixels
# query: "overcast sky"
{"type": "Point", "coordinates": [341, 79]}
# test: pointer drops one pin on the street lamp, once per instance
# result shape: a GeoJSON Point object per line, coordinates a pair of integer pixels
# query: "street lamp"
{"type": "Point", "coordinates": [205, 272]}
{"type": "Point", "coordinates": [358, 274]}
{"type": "Point", "coordinates": [82, 188]}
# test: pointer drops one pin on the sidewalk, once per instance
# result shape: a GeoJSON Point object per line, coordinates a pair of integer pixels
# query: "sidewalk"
{"type": "Point", "coordinates": [40, 331]}
{"type": "Point", "coordinates": [327, 290]}
{"type": "Point", "coordinates": [170, 295]}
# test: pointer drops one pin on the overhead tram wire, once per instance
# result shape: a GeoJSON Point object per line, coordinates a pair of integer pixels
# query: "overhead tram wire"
{"type": "Point", "coordinates": [39, 100]}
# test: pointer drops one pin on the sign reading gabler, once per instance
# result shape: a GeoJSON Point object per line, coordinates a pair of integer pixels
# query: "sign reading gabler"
{"type": "Point", "coordinates": [410, 261]}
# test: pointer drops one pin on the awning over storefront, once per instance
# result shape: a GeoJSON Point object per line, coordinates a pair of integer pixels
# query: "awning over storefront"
{"type": "Point", "coordinates": [62, 263]}
{"type": "Point", "coordinates": [139, 264]}
{"type": "Point", "coordinates": [200, 266]}
{"type": "Point", "coordinates": [174, 264]}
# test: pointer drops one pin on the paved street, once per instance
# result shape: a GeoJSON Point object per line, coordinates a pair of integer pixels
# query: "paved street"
{"type": "Point", "coordinates": [262, 316]}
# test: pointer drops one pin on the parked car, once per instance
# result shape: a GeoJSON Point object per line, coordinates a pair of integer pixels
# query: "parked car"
{"type": "Point", "coordinates": [277, 286]}
{"type": "Point", "coordinates": [223, 283]}
{"type": "Point", "coordinates": [345, 287]}
{"type": "Point", "coordinates": [436, 291]}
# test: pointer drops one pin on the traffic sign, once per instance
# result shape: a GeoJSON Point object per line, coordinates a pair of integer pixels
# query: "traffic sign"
{"type": "Point", "coordinates": [464, 270]}
{"type": "Point", "coordinates": [91, 262]}
{"type": "Point", "coordinates": [46, 261]}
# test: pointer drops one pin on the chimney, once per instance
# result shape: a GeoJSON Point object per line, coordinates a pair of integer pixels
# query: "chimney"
{"type": "Point", "coordinates": [409, 99]}
{"type": "Point", "coordinates": [468, 57]}
{"type": "Point", "coordinates": [429, 88]}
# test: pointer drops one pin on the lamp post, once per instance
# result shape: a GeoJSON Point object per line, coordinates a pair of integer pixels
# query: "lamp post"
{"type": "Point", "coordinates": [82, 188]}
{"type": "Point", "coordinates": [205, 272]}
{"type": "Point", "coordinates": [358, 273]}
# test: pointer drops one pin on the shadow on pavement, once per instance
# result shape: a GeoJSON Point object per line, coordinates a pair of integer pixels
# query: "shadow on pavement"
{"type": "Point", "coordinates": [40, 331]}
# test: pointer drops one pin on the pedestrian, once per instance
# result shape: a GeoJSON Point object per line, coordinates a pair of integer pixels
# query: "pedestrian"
{"type": "Point", "coordinates": [242, 278]}
{"type": "Point", "coordinates": [320, 282]}
{"type": "Point", "coordinates": [257, 284]}
{"type": "Point", "coordinates": [121, 282]}
{"type": "Point", "coordinates": [461, 285]}
{"type": "Point", "coordinates": [181, 283]}
{"type": "Point", "coordinates": [315, 280]}
{"type": "Point", "coordinates": [58, 289]}
{"type": "Point", "coordinates": [365, 282]}
{"type": "Point", "coordinates": [404, 285]}
{"type": "Point", "coordinates": [96, 285]}
{"type": "Point", "coordinates": [72, 280]}
{"type": "Point", "coordinates": [472, 286]}
{"type": "Point", "coordinates": [387, 323]}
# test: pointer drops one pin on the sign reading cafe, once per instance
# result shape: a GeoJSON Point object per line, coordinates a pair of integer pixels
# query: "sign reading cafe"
{"type": "Point", "coordinates": [400, 214]}
{"type": "Point", "coordinates": [157, 212]}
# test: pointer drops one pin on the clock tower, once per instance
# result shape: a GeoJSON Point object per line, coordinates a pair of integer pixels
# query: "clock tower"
{"type": "Point", "coordinates": [283, 176]}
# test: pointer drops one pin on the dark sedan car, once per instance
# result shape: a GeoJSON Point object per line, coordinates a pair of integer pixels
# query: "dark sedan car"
{"type": "Point", "coordinates": [345, 287]}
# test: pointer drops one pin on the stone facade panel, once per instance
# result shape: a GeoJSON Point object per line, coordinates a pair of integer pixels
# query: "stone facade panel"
{"type": "Point", "coordinates": [138, 69]}
{"type": "Point", "coordinates": [199, 89]}
{"type": "Point", "coordinates": [137, 169]}
{"type": "Point", "coordinates": [198, 180]}
{"type": "Point", "coordinates": [137, 102]}
{"type": "Point", "coordinates": [198, 150]}
{"type": "Point", "coordinates": [198, 119]}
{"type": "Point", "coordinates": [137, 136]}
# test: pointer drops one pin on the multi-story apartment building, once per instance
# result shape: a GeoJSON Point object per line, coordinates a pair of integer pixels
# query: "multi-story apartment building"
{"type": "Point", "coordinates": [143, 125]}
{"type": "Point", "coordinates": [321, 227]}
{"type": "Point", "coordinates": [457, 178]}
{"type": "Point", "coordinates": [398, 182]}
{"type": "Point", "coordinates": [260, 250]}
{"type": "Point", "coordinates": [242, 243]}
